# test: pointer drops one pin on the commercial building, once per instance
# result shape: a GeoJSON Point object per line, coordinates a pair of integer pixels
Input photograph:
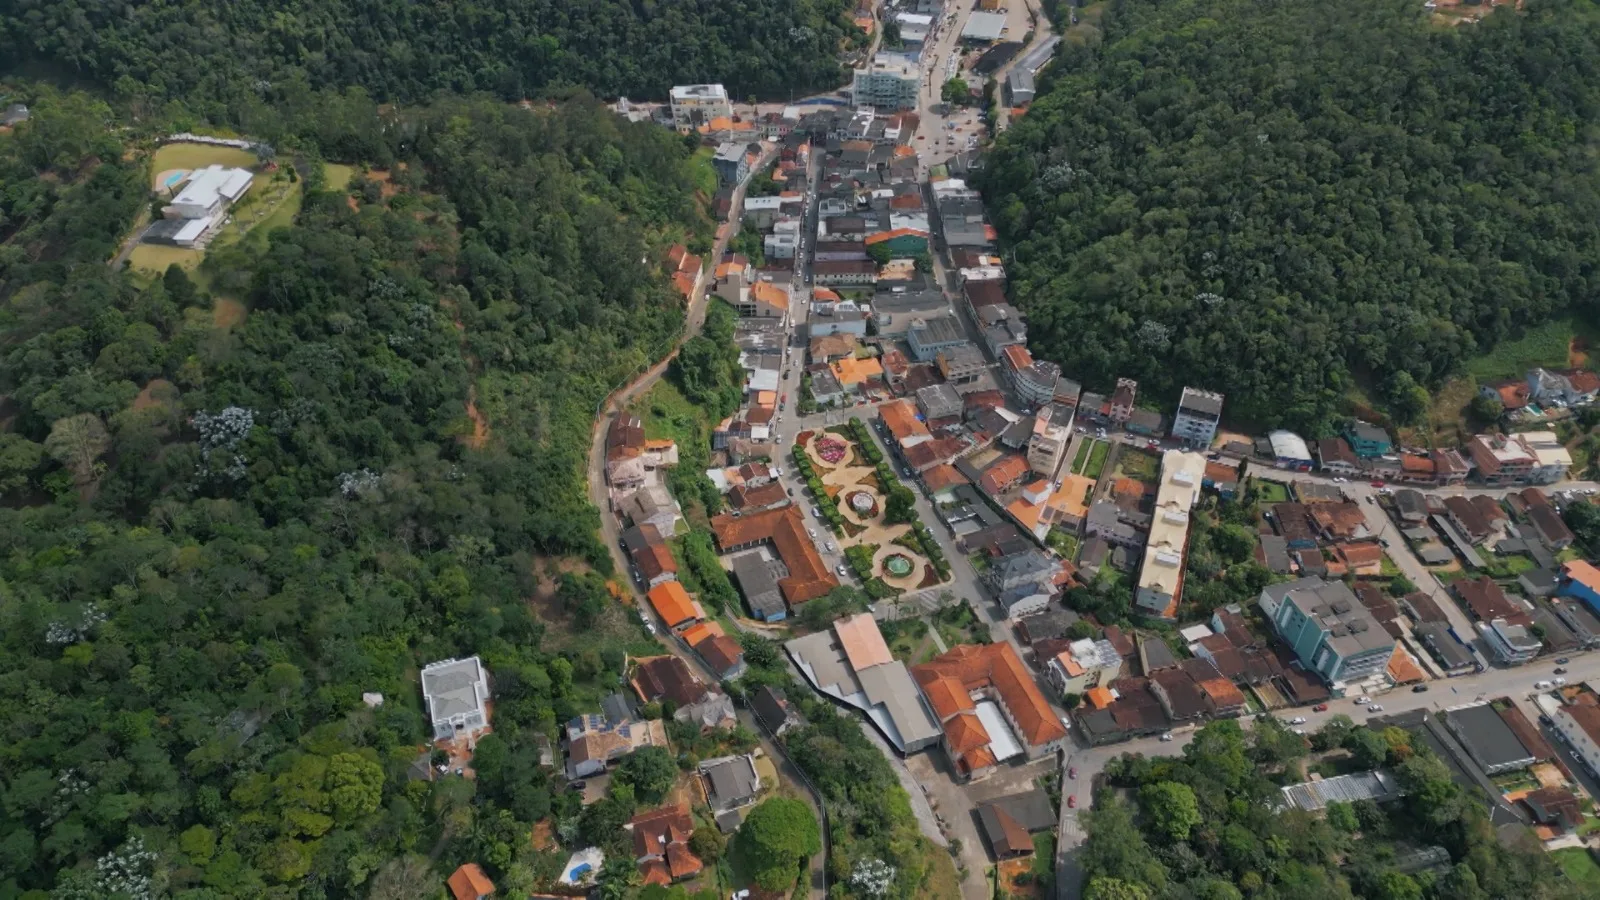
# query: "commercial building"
{"type": "Point", "coordinates": [1199, 411]}
{"type": "Point", "coordinates": [1161, 575]}
{"type": "Point", "coordinates": [1330, 631]}
{"type": "Point", "coordinates": [1580, 580]}
{"type": "Point", "coordinates": [1501, 459]}
{"type": "Point", "coordinates": [1289, 451]}
{"type": "Point", "coordinates": [984, 27]}
{"type": "Point", "coordinates": [1009, 823]}
{"type": "Point", "coordinates": [1083, 665]}
{"type": "Point", "coordinates": [1580, 726]}
{"type": "Point", "coordinates": [1491, 741]}
{"type": "Point", "coordinates": [731, 162]}
{"type": "Point", "coordinates": [851, 663]}
{"type": "Point", "coordinates": [456, 694]}
{"type": "Point", "coordinates": [927, 337]}
{"type": "Point", "coordinates": [889, 82]}
{"type": "Point", "coordinates": [1047, 445]}
{"type": "Point", "coordinates": [1367, 440]}
{"type": "Point", "coordinates": [783, 529]}
{"type": "Point", "coordinates": [697, 104]}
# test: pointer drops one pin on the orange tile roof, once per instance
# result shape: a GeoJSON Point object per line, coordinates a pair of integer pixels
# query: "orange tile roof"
{"type": "Point", "coordinates": [1017, 356]}
{"type": "Point", "coordinates": [768, 294]}
{"type": "Point", "coordinates": [721, 652]}
{"type": "Point", "coordinates": [942, 476]}
{"type": "Point", "coordinates": [1514, 395]}
{"type": "Point", "coordinates": [1065, 660]}
{"type": "Point", "coordinates": [655, 559]}
{"type": "Point", "coordinates": [672, 603]}
{"type": "Point", "coordinates": [1217, 472]}
{"type": "Point", "coordinates": [964, 734]}
{"type": "Point", "coordinates": [785, 528]}
{"type": "Point", "coordinates": [1402, 668]}
{"type": "Point", "coordinates": [823, 293]}
{"type": "Point", "coordinates": [1002, 474]}
{"type": "Point", "coordinates": [1413, 462]}
{"type": "Point", "coordinates": [900, 417]}
{"type": "Point", "coordinates": [700, 631]}
{"type": "Point", "coordinates": [1026, 514]}
{"type": "Point", "coordinates": [862, 642]}
{"type": "Point", "coordinates": [854, 371]}
{"type": "Point", "coordinates": [973, 760]}
{"type": "Point", "coordinates": [684, 282]}
{"type": "Point", "coordinates": [1583, 573]}
{"type": "Point", "coordinates": [998, 667]}
{"type": "Point", "coordinates": [1099, 697]}
{"type": "Point", "coordinates": [1361, 554]}
{"type": "Point", "coordinates": [731, 268]}
{"type": "Point", "coordinates": [469, 882]}
{"type": "Point", "coordinates": [946, 696]}
{"type": "Point", "coordinates": [1222, 692]}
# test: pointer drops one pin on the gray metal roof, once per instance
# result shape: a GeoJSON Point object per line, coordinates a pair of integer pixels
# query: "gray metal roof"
{"type": "Point", "coordinates": [1487, 737]}
{"type": "Point", "coordinates": [1378, 785]}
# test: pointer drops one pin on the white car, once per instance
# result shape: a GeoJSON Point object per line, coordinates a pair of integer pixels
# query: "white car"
{"type": "Point", "coordinates": [811, 531]}
{"type": "Point", "coordinates": [1298, 720]}
{"type": "Point", "coordinates": [1560, 682]}
{"type": "Point", "coordinates": [1376, 707]}
{"type": "Point", "coordinates": [1166, 736]}
{"type": "Point", "coordinates": [1363, 700]}
{"type": "Point", "coordinates": [843, 569]}
{"type": "Point", "coordinates": [831, 547]}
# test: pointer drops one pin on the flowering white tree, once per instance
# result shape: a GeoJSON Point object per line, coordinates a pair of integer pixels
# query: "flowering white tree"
{"type": "Point", "coordinates": [872, 877]}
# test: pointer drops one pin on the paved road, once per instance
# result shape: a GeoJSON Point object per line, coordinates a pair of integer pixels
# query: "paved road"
{"type": "Point", "coordinates": [1042, 31]}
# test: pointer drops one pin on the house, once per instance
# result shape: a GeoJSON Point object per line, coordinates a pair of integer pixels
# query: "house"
{"type": "Point", "coordinates": [772, 709]}
{"type": "Point", "coordinates": [1335, 457]}
{"type": "Point", "coordinates": [208, 193]}
{"type": "Point", "coordinates": [712, 712]}
{"type": "Point", "coordinates": [1050, 625]}
{"type": "Point", "coordinates": [1105, 521]}
{"type": "Point", "coordinates": [1294, 523]}
{"type": "Point", "coordinates": [1487, 601]}
{"type": "Point", "coordinates": [1551, 459]}
{"type": "Point", "coordinates": [661, 845]}
{"type": "Point", "coordinates": [1368, 440]}
{"type": "Point", "coordinates": [760, 587]}
{"type": "Point", "coordinates": [1329, 630]}
{"type": "Point", "coordinates": [844, 272]}
{"type": "Point", "coordinates": [731, 782]}
{"type": "Point", "coordinates": [697, 104]}
{"type": "Point", "coordinates": [1501, 459]}
{"type": "Point", "coordinates": [456, 695]}
{"type": "Point", "coordinates": [1411, 506]}
{"type": "Point", "coordinates": [1580, 726]}
{"type": "Point", "coordinates": [851, 663]}
{"type": "Point", "coordinates": [1122, 399]}
{"type": "Point", "coordinates": [1195, 422]}
{"type": "Point", "coordinates": [1447, 651]}
{"type": "Point", "coordinates": [1023, 583]}
{"type": "Point", "coordinates": [1147, 422]}
{"type": "Point", "coordinates": [1003, 474]}
{"type": "Point", "coordinates": [1047, 444]}
{"type": "Point", "coordinates": [673, 605]}
{"type": "Point", "coordinates": [596, 741]}
{"type": "Point", "coordinates": [666, 678]}
{"type": "Point", "coordinates": [1580, 580]}
{"type": "Point", "coordinates": [732, 162]}
{"type": "Point", "coordinates": [469, 883]}
{"type": "Point", "coordinates": [1083, 665]}
{"type": "Point", "coordinates": [722, 655]}
{"type": "Point", "coordinates": [1010, 718]}
{"type": "Point", "coordinates": [1468, 519]}
{"type": "Point", "coordinates": [830, 347]}
{"type": "Point", "coordinates": [1554, 807]}
{"type": "Point", "coordinates": [1512, 645]}
{"type": "Point", "coordinates": [652, 505]}
{"type": "Point", "coordinates": [1009, 823]}
{"type": "Point", "coordinates": [655, 562]}
{"type": "Point", "coordinates": [1222, 478]}
{"type": "Point", "coordinates": [939, 401]}
{"type": "Point", "coordinates": [1343, 521]}
{"type": "Point", "coordinates": [1273, 552]}
{"type": "Point", "coordinates": [852, 373]}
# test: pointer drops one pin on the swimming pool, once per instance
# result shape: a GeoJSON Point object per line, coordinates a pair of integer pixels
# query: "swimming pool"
{"type": "Point", "coordinates": [174, 178]}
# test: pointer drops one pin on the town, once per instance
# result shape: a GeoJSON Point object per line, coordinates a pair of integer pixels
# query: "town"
{"type": "Point", "coordinates": [1014, 578]}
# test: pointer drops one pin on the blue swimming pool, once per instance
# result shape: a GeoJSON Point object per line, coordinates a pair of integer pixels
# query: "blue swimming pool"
{"type": "Point", "coordinates": [174, 178]}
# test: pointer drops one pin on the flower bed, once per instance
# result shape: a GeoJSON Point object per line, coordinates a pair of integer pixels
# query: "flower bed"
{"type": "Point", "coordinates": [831, 450]}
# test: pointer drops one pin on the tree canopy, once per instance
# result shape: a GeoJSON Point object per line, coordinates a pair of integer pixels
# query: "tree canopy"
{"type": "Point", "coordinates": [778, 836]}
{"type": "Point", "coordinates": [1280, 201]}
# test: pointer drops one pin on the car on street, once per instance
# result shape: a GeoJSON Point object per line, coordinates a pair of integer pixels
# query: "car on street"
{"type": "Point", "coordinates": [1320, 707]}
{"type": "Point", "coordinates": [1166, 736]}
{"type": "Point", "coordinates": [1377, 484]}
{"type": "Point", "coordinates": [1376, 707]}
{"type": "Point", "coordinates": [1562, 660]}
{"type": "Point", "coordinates": [1363, 700]}
{"type": "Point", "coordinates": [1561, 682]}
{"type": "Point", "coordinates": [1560, 670]}
{"type": "Point", "coordinates": [843, 570]}
{"type": "Point", "coordinates": [577, 785]}
{"type": "Point", "coordinates": [1298, 720]}
{"type": "Point", "coordinates": [811, 531]}
{"type": "Point", "coordinates": [832, 548]}
{"type": "Point", "coordinates": [1072, 801]}
{"type": "Point", "coordinates": [1072, 773]}
{"type": "Point", "coordinates": [1420, 689]}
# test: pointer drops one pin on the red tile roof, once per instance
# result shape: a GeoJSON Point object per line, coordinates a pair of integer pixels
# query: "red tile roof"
{"type": "Point", "coordinates": [469, 883]}
{"type": "Point", "coordinates": [785, 529]}
{"type": "Point", "coordinates": [672, 603]}
{"type": "Point", "coordinates": [721, 653]}
{"type": "Point", "coordinates": [654, 560]}
{"type": "Point", "coordinates": [1003, 473]}
{"type": "Point", "coordinates": [997, 666]}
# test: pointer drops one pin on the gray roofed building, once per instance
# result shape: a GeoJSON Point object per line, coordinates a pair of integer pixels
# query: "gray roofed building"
{"type": "Point", "coordinates": [456, 692]}
{"type": "Point", "coordinates": [1434, 555]}
{"type": "Point", "coordinates": [1154, 655]}
{"type": "Point", "coordinates": [731, 782]}
{"type": "Point", "coordinates": [1274, 554]}
{"type": "Point", "coordinates": [1048, 625]}
{"type": "Point", "coordinates": [1378, 785]}
{"type": "Point", "coordinates": [939, 401]}
{"type": "Point", "coordinates": [1008, 822]}
{"type": "Point", "coordinates": [885, 692]}
{"type": "Point", "coordinates": [1411, 505]}
{"type": "Point", "coordinates": [1449, 652]}
{"type": "Point", "coordinates": [772, 709]}
{"type": "Point", "coordinates": [760, 587]}
{"type": "Point", "coordinates": [1583, 623]}
{"type": "Point", "coordinates": [617, 707]}
{"type": "Point", "coordinates": [1488, 739]}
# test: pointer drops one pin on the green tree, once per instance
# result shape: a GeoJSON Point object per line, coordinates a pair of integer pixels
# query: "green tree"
{"type": "Point", "coordinates": [650, 771]}
{"type": "Point", "coordinates": [355, 785]}
{"type": "Point", "coordinates": [78, 442]}
{"type": "Point", "coordinates": [777, 837]}
{"type": "Point", "coordinates": [955, 91]}
{"type": "Point", "coordinates": [1171, 807]}
{"type": "Point", "coordinates": [1103, 888]}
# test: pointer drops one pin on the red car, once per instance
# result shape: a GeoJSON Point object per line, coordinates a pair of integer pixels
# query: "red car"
{"type": "Point", "coordinates": [1072, 773]}
{"type": "Point", "coordinates": [1377, 484]}
{"type": "Point", "coordinates": [1320, 707]}
{"type": "Point", "coordinates": [1072, 801]}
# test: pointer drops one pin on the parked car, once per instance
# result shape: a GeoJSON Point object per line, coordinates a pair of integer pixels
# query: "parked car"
{"type": "Point", "coordinates": [1561, 670]}
{"type": "Point", "coordinates": [1543, 685]}
{"type": "Point", "coordinates": [1363, 700]}
{"type": "Point", "coordinates": [1166, 736]}
{"type": "Point", "coordinates": [577, 785]}
{"type": "Point", "coordinates": [1376, 707]}
{"type": "Point", "coordinates": [1562, 660]}
{"type": "Point", "coordinates": [1298, 720]}
{"type": "Point", "coordinates": [1377, 484]}
{"type": "Point", "coordinates": [1072, 773]}
{"type": "Point", "coordinates": [1072, 801]}
{"type": "Point", "coordinates": [1420, 689]}
{"type": "Point", "coordinates": [1320, 707]}
{"type": "Point", "coordinates": [1561, 682]}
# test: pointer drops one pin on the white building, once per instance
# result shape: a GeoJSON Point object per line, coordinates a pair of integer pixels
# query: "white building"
{"type": "Point", "coordinates": [1551, 460]}
{"type": "Point", "coordinates": [696, 104]}
{"type": "Point", "coordinates": [914, 27]}
{"type": "Point", "coordinates": [889, 82]}
{"type": "Point", "coordinates": [209, 192]}
{"type": "Point", "coordinates": [1161, 575]}
{"type": "Point", "coordinates": [1198, 414]}
{"type": "Point", "coordinates": [1580, 725]}
{"type": "Point", "coordinates": [456, 692]}
{"type": "Point", "coordinates": [1083, 665]}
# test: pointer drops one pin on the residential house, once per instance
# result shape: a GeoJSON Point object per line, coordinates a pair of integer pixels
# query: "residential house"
{"type": "Point", "coordinates": [652, 505]}
{"type": "Point", "coordinates": [1411, 506]}
{"type": "Point", "coordinates": [939, 401]}
{"type": "Point", "coordinates": [1512, 645]}
{"type": "Point", "coordinates": [845, 273]}
{"type": "Point", "coordinates": [853, 374]}
{"type": "Point", "coordinates": [1368, 440]}
{"type": "Point", "coordinates": [1451, 655]}
{"type": "Point", "coordinates": [1335, 457]}
{"type": "Point", "coordinates": [1555, 808]}
{"type": "Point", "coordinates": [731, 782]}
{"type": "Point", "coordinates": [1006, 694]}
{"type": "Point", "coordinates": [732, 162]}
{"type": "Point", "coordinates": [666, 678]}
{"type": "Point", "coordinates": [1501, 459]}
{"type": "Point", "coordinates": [1222, 478]}
{"type": "Point", "coordinates": [1579, 619]}
{"type": "Point", "coordinates": [1330, 631]}
{"type": "Point", "coordinates": [1199, 412]}
{"type": "Point", "coordinates": [674, 606]}
{"type": "Point", "coordinates": [469, 883]}
{"type": "Point", "coordinates": [1580, 580]}
{"type": "Point", "coordinates": [456, 695]}
{"type": "Point", "coordinates": [661, 845]}
{"type": "Point", "coordinates": [722, 655]}
{"type": "Point", "coordinates": [772, 710]}
{"type": "Point", "coordinates": [1272, 551]}
{"type": "Point", "coordinates": [1572, 388]}
{"type": "Point", "coordinates": [1022, 583]}
{"type": "Point", "coordinates": [1487, 601]}
{"type": "Point", "coordinates": [961, 364]}
{"type": "Point", "coordinates": [1468, 518]}
{"type": "Point", "coordinates": [1288, 451]}
{"type": "Point", "coordinates": [1579, 725]}
{"type": "Point", "coordinates": [1083, 665]}
{"type": "Point", "coordinates": [760, 587]}
{"type": "Point", "coordinates": [1122, 400]}
{"type": "Point", "coordinates": [1003, 474]}
{"type": "Point", "coordinates": [827, 348]}
{"type": "Point", "coordinates": [1106, 522]}
{"type": "Point", "coordinates": [1552, 460]}
{"type": "Point", "coordinates": [1343, 521]}
{"type": "Point", "coordinates": [596, 741]}
{"type": "Point", "coordinates": [1009, 823]}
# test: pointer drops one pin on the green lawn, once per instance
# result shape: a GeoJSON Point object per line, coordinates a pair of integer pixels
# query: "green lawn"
{"type": "Point", "coordinates": [1542, 345]}
{"type": "Point", "coordinates": [1581, 869]}
{"type": "Point", "coordinates": [1507, 566]}
{"type": "Point", "coordinates": [705, 176]}
{"type": "Point", "coordinates": [1044, 855]}
{"type": "Point", "coordinates": [1139, 465]}
{"type": "Point", "coordinates": [1097, 460]}
{"type": "Point", "coordinates": [1271, 492]}
{"type": "Point", "coordinates": [339, 175]}
{"type": "Point", "coordinates": [1082, 457]}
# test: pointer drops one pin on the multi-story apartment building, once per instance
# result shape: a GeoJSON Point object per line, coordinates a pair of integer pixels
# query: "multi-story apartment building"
{"type": "Point", "coordinates": [1198, 414]}
{"type": "Point", "coordinates": [698, 104]}
{"type": "Point", "coordinates": [1331, 632]}
{"type": "Point", "coordinates": [888, 82]}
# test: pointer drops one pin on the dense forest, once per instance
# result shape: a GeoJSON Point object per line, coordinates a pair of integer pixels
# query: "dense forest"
{"type": "Point", "coordinates": [1204, 825]}
{"type": "Point", "coordinates": [223, 58]}
{"type": "Point", "coordinates": [215, 538]}
{"type": "Point", "coordinates": [1277, 200]}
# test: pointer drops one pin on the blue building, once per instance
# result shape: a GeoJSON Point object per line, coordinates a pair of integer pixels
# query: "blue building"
{"type": "Point", "coordinates": [1330, 631]}
{"type": "Point", "coordinates": [1368, 440]}
{"type": "Point", "coordinates": [732, 162]}
{"type": "Point", "coordinates": [1581, 580]}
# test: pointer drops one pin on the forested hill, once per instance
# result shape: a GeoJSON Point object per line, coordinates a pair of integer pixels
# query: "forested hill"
{"type": "Point", "coordinates": [1266, 198]}
{"type": "Point", "coordinates": [217, 534]}
{"type": "Point", "coordinates": [220, 56]}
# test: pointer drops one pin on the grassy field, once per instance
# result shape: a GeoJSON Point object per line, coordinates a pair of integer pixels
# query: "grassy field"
{"type": "Point", "coordinates": [1081, 458]}
{"type": "Point", "coordinates": [1139, 465]}
{"type": "Point", "coordinates": [153, 259]}
{"type": "Point", "coordinates": [1581, 869]}
{"type": "Point", "coordinates": [197, 156]}
{"type": "Point", "coordinates": [705, 177]}
{"type": "Point", "coordinates": [1044, 855]}
{"type": "Point", "coordinates": [1097, 460]}
{"type": "Point", "coordinates": [1544, 345]}
{"type": "Point", "coordinates": [339, 176]}
{"type": "Point", "coordinates": [1271, 492]}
